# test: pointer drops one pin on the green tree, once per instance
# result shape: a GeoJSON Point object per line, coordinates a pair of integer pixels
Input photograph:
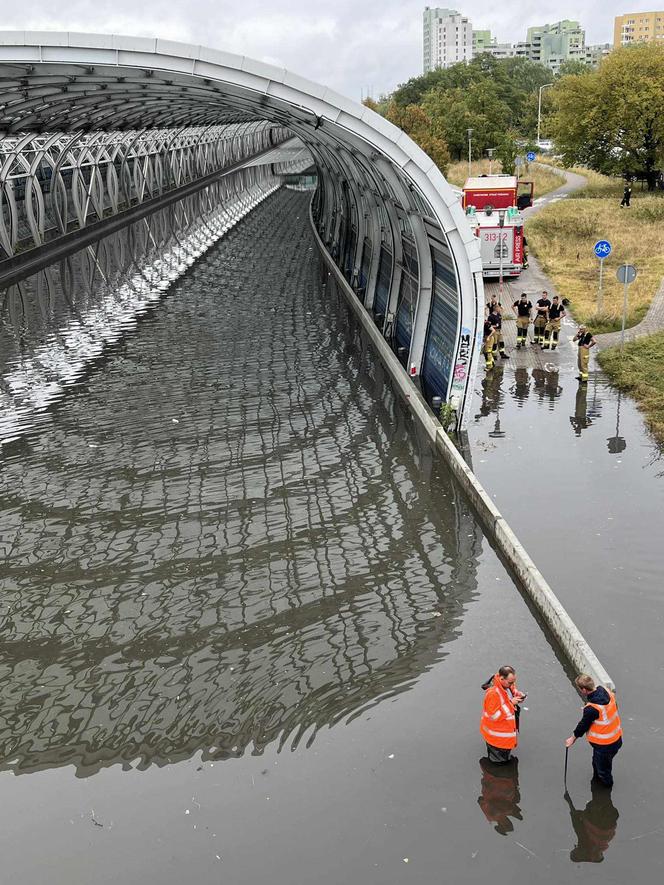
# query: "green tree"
{"type": "Point", "coordinates": [612, 119]}
{"type": "Point", "coordinates": [507, 153]}
{"type": "Point", "coordinates": [416, 123]}
{"type": "Point", "coordinates": [572, 66]}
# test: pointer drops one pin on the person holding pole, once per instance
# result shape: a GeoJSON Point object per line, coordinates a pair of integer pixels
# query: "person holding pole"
{"type": "Point", "coordinates": [601, 725]}
{"type": "Point", "coordinates": [498, 725]}
{"type": "Point", "coordinates": [585, 341]}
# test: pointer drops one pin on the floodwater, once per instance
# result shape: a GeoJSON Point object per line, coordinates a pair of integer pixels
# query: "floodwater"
{"type": "Point", "coordinates": [245, 615]}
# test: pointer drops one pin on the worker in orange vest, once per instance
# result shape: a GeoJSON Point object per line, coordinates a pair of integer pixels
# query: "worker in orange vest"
{"type": "Point", "coordinates": [498, 725]}
{"type": "Point", "coordinates": [601, 725]}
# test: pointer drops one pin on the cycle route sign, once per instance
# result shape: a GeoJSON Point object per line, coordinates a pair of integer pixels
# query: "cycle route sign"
{"type": "Point", "coordinates": [602, 248]}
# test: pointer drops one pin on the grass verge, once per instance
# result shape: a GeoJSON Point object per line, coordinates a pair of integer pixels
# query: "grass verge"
{"type": "Point", "coordinates": [544, 179]}
{"type": "Point", "coordinates": [638, 371]}
{"type": "Point", "coordinates": [562, 237]}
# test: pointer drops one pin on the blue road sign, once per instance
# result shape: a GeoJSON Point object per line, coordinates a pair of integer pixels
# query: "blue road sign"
{"type": "Point", "coordinates": [602, 248]}
{"type": "Point", "coordinates": [531, 156]}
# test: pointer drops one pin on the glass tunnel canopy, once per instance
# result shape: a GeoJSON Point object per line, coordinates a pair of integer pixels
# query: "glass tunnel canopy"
{"type": "Point", "coordinates": [382, 209]}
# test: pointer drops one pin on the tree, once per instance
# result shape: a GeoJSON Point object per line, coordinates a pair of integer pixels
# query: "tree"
{"type": "Point", "coordinates": [612, 119]}
{"type": "Point", "coordinates": [507, 153]}
{"type": "Point", "coordinates": [419, 126]}
{"type": "Point", "coordinates": [572, 66]}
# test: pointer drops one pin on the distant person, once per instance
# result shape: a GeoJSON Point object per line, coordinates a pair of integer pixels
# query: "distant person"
{"type": "Point", "coordinates": [594, 827]}
{"type": "Point", "coordinates": [552, 328]}
{"type": "Point", "coordinates": [498, 725]}
{"type": "Point", "coordinates": [487, 342]}
{"type": "Point", "coordinates": [627, 195]}
{"type": "Point", "coordinates": [500, 796]}
{"type": "Point", "coordinates": [542, 306]}
{"type": "Point", "coordinates": [601, 725]}
{"type": "Point", "coordinates": [585, 341]}
{"type": "Point", "coordinates": [523, 308]}
{"type": "Point", "coordinates": [525, 252]}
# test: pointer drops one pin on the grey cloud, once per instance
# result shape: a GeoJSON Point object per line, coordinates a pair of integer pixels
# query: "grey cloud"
{"type": "Point", "coordinates": [350, 46]}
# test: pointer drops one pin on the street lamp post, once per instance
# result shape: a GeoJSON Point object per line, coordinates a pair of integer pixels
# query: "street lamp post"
{"type": "Point", "coordinates": [501, 226]}
{"type": "Point", "coordinates": [539, 110]}
{"type": "Point", "coordinates": [470, 138]}
{"type": "Point", "coordinates": [490, 153]}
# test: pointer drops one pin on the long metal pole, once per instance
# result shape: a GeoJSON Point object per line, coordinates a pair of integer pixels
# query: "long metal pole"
{"type": "Point", "coordinates": [622, 331]}
{"type": "Point", "coordinates": [600, 298]}
{"type": "Point", "coordinates": [469, 159]}
{"type": "Point", "coordinates": [500, 243]}
{"type": "Point", "coordinates": [539, 114]}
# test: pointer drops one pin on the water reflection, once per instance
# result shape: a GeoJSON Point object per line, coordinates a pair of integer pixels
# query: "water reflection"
{"type": "Point", "coordinates": [581, 420]}
{"type": "Point", "coordinates": [500, 796]}
{"type": "Point", "coordinates": [231, 535]}
{"type": "Point", "coordinates": [616, 443]}
{"type": "Point", "coordinates": [594, 826]}
{"type": "Point", "coordinates": [499, 388]}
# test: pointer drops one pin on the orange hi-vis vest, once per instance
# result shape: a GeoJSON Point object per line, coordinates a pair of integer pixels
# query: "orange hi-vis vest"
{"type": "Point", "coordinates": [607, 728]}
{"type": "Point", "coordinates": [498, 722]}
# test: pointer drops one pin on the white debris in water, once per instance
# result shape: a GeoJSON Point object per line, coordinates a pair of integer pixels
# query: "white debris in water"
{"type": "Point", "coordinates": [405, 860]}
{"type": "Point", "coordinates": [391, 756]}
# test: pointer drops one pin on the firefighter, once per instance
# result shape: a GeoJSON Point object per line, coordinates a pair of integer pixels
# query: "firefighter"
{"type": "Point", "coordinates": [601, 725]}
{"type": "Point", "coordinates": [523, 308]}
{"type": "Point", "coordinates": [487, 343]}
{"type": "Point", "coordinates": [525, 252]}
{"type": "Point", "coordinates": [541, 318]}
{"type": "Point", "coordinates": [496, 319]}
{"type": "Point", "coordinates": [552, 328]}
{"type": "Point", "coordinates": [585, 341]}
{"type": "Point", "coordinates": [498, 725]}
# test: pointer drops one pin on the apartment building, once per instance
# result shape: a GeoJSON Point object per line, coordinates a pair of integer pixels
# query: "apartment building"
{"type": "Point", "coordinates": [447, 38]}
{"type": "Point", "coordinates": [638, 27]}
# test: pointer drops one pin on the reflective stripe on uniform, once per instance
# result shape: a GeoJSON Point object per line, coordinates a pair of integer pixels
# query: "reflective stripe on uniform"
{"type": "Point", "coordinates": [501, 734]}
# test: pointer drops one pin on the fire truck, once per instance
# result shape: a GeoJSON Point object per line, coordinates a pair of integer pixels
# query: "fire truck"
{"type": "Point", "coordinates": [493, 205]}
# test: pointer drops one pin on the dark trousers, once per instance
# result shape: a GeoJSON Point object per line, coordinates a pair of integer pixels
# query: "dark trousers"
{"type": "Point", "coordinates": [603, 761]}
{"type": "Point", "coordinates": [497, 755]}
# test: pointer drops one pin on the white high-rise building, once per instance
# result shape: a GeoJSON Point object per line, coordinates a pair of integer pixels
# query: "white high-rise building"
{"type": "Point", "coordinates": [447, 38]}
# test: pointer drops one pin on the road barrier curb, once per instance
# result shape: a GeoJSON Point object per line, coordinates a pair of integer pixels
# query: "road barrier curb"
{"type": "Point", "coordinates": [568, 636]}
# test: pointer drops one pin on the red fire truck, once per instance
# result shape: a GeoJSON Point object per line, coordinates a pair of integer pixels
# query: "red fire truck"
{"type": "Point", "coordinates": [493, 206]}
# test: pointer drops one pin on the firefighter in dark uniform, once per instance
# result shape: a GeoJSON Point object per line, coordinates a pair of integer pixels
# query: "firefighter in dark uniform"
{"type": "Point", "coordinates": [525, 252]}
{"type": "Point", "coordinates": [496, 319]}
{"type": "Point", "coordinates": [541, 318]}
{"type": "Point", "coordinates": [585, 340]}
{"type": "Point", "coordinates": [552, 328]}
{"type": "Point", "coordinates": [523, 307]}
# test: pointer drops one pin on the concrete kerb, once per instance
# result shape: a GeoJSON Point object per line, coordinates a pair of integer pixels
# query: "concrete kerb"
{"type": "Point", "coordinates": [570, 639]}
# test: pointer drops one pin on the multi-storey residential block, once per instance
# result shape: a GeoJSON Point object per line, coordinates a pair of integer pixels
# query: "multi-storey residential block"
{"type": "Point", "coordinates": [638, 27]}
{"type": "Point", "coordinates": [447, 38]}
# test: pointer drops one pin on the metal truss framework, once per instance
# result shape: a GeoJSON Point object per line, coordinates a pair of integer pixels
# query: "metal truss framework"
{"type": "Point", "coordinates": [51, 184]}
{"type": "Point", "coordinates": [383, 209]}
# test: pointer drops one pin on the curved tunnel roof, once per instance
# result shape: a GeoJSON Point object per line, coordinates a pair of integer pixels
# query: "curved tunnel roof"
{"type": "Point", "coordinates": [66, 82]}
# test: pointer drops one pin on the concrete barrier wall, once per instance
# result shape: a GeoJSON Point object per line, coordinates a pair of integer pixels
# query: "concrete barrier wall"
{"type": "Point", "coordinates": [570, 639]}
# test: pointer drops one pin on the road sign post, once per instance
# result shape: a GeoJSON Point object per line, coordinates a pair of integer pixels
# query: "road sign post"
{"type": "Point", "coordinates": [602, 250]}
{"type": "Point", "coordinates": [626, 274]}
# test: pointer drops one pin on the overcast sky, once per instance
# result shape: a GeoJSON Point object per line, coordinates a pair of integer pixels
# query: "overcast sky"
{"type": "Point", "coordinates": [351, 45]}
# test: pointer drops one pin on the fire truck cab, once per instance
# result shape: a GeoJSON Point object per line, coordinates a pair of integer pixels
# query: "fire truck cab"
{"type": "Point", "coordinates": [493, 206]}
